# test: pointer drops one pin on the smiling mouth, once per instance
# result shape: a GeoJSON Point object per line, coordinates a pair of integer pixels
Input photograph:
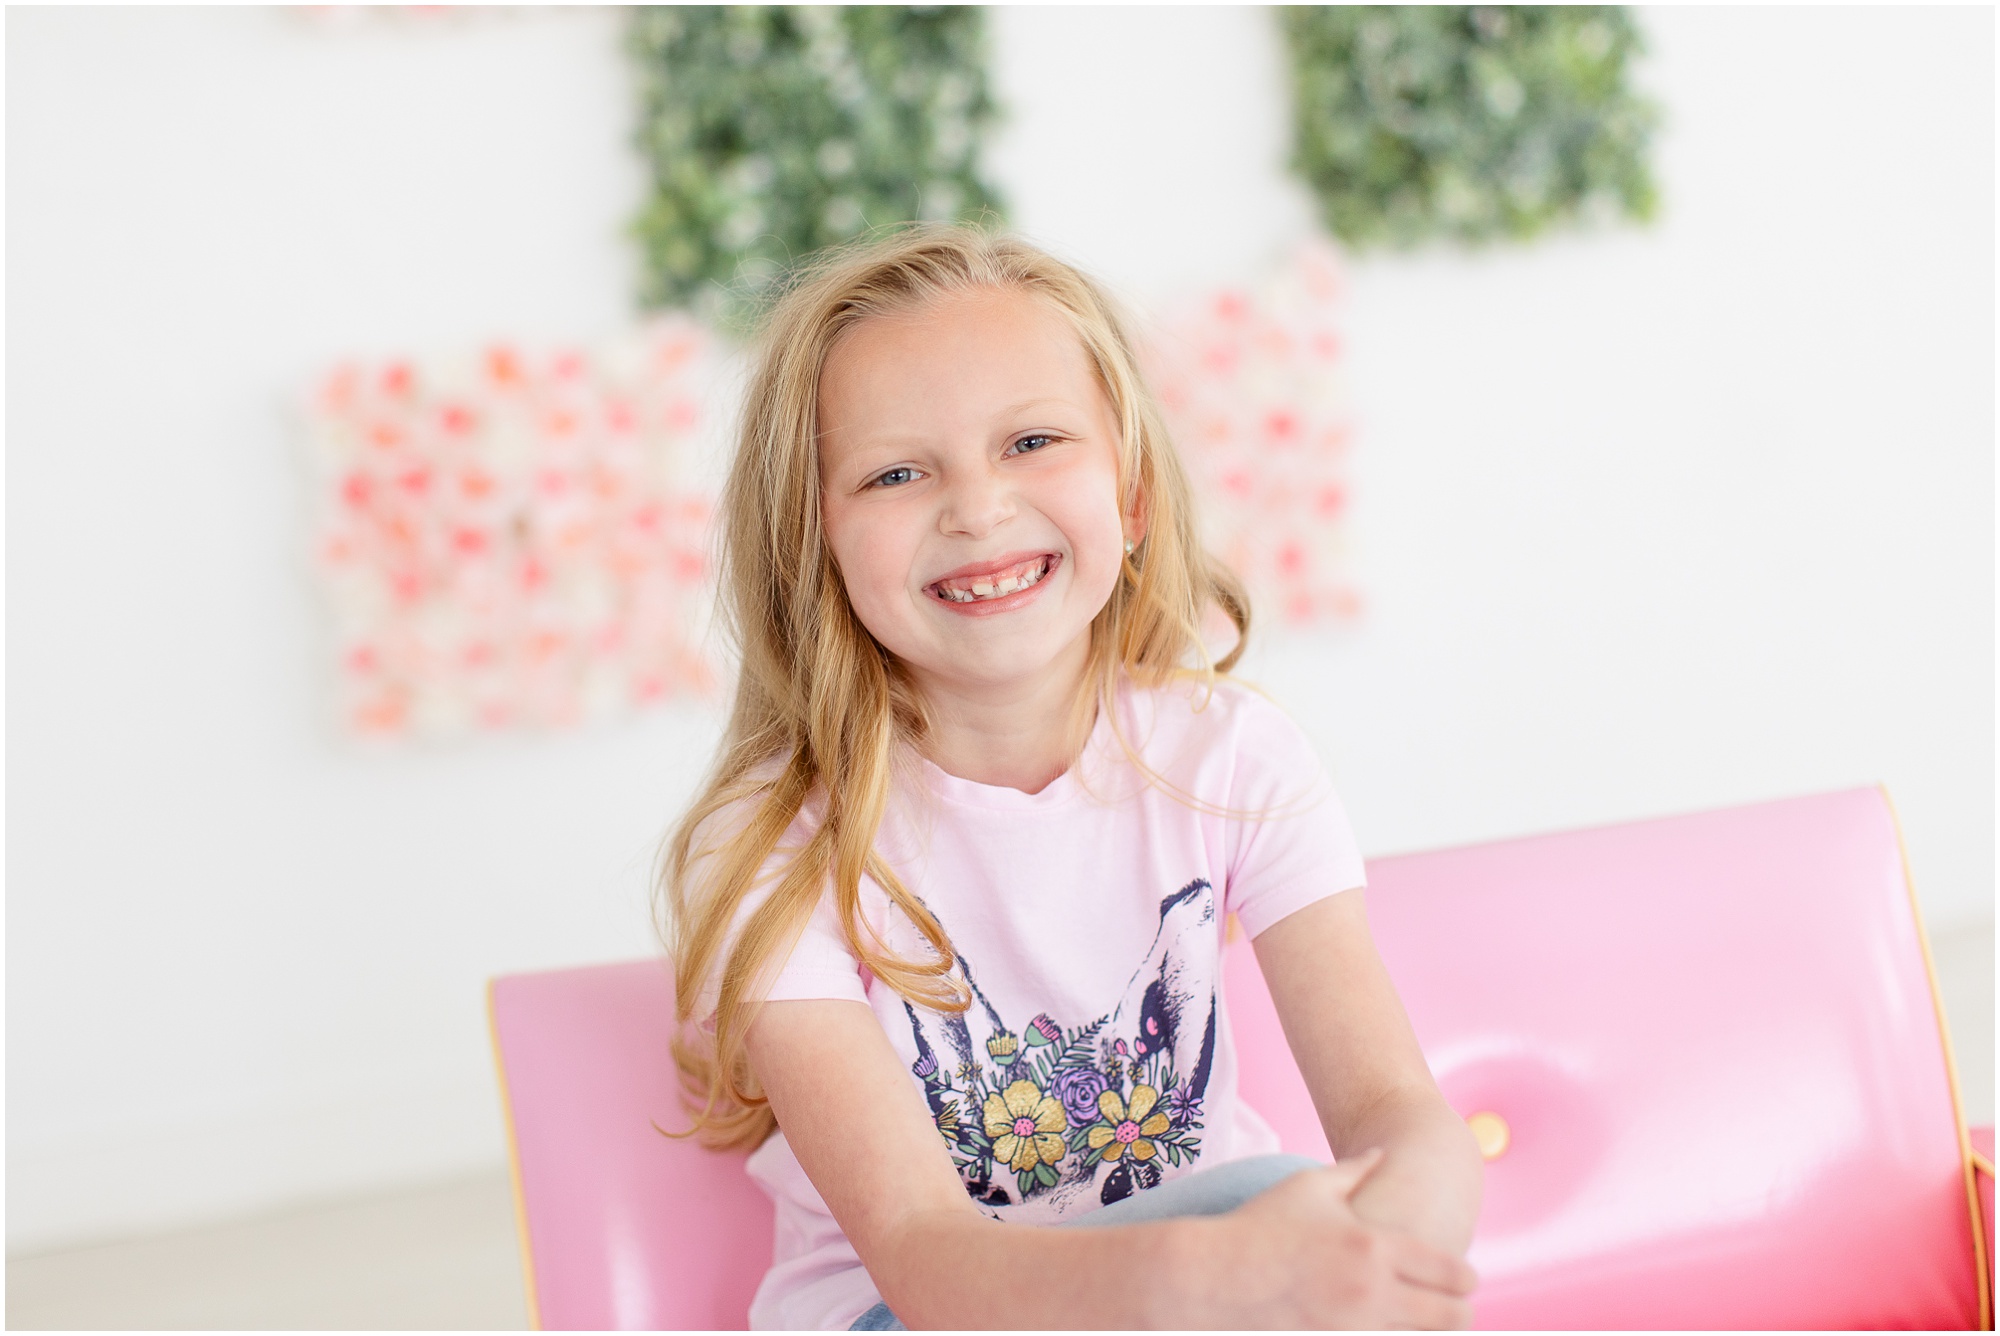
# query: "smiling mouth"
{"type": "Point", "coordinates": [995, 584]}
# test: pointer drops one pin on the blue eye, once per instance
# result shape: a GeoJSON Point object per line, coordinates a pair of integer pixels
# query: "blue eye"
{"type": "Point", "coordinates": [895, 477]}
{"type": "Point", "coordinates": [1029, 443]}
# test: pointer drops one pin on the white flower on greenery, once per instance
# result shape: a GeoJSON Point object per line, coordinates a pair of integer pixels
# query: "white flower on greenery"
{"type": "Point", "coordinates": [752, 174]}
{"type": "Point", "coordinates": [1599, 209]}
{"type": "Point", "coordinates": [894, 94]}
{"type": "Point", "coordinates": [740, 228]}
{"type": "Point", "coordinates": [1529, 110]}
{"type": "Point", "coordinates": [835, 157]}
{"type": "Point", "coordinates": [940, 201]}
{"type": "Point", "coordinates": [827, 54]}
{"type": "Point", "coordinates": [950, 140]}
{"type": "Point", "coordinates": [953, 93]}
{"type": "Point", "coordinates": [1527, 190]}
{"type": "Point", "coordinates": [1504, 96]}
{"type": "Point", "coordinates": [843, 217]}
{"type": "Point", "coordinates": [1530, 177]}
{"type": "Point", "coordinates": [846, 86]}
{"type": "Point", "coordinates": [758, 271]}
{"type": "Point", "coordinates": [1457, 197]}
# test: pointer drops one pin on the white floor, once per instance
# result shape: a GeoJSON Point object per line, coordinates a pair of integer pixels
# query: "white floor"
{"type": "Point", "coordinates": [1965, 976]}
{"type": "Point", "coordinates": [446, 1257]}
{"type": "Point", "coordinates": [440, 1258]}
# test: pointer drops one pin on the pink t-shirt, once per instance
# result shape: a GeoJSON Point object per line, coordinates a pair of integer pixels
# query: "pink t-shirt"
{"type": "Point", "coordinates": [1096, 1059]}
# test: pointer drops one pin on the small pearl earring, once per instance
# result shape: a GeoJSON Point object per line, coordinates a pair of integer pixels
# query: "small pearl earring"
{"type": "Point", "coordinates": [1128, 547]}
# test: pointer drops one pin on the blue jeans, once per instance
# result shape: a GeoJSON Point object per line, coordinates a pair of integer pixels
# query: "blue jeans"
{"type": "Point", "coordinates": [1204, 1192]}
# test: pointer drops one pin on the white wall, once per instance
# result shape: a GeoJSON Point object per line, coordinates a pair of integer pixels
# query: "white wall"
{"type": "Point", "coordinates": [1650, 521]}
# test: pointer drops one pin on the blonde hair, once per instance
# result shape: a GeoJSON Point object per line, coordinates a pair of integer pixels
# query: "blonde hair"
{"type": "Point", "coordinates": [821, 708]}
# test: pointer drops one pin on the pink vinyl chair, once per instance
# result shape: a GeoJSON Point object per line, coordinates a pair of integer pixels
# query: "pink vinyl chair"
{"type": "Point", "coordinates": [1704, 1055]}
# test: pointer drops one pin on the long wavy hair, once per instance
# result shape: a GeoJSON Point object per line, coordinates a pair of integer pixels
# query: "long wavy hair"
{"type": "Point", "coordinates": [822, 712]}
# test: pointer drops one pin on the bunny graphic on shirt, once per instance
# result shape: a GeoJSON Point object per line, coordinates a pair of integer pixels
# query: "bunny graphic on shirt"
{"type": "Point", "coordinates": [1061, 1110]}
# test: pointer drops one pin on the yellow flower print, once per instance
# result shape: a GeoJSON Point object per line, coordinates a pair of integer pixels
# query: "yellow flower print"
{"type": "Point", "coordinates": [1126, 1128]}
{"type": "Point", "coordinates": [1025, 1125]}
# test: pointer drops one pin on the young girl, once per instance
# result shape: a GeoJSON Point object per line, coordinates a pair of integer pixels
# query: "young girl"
{"type": "Point", "coordinates": [949, 915]}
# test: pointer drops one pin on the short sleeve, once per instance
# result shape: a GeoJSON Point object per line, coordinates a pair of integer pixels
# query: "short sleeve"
{"type": "Point", "coordinates": [819, 965]}
{"type": "Point", "coordinates": [1292, 844]}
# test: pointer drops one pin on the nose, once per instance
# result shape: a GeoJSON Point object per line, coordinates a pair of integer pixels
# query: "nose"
{"type": "Point", "coordinates": [976, 502]}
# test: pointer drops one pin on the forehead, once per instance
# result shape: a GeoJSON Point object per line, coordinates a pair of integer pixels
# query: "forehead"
{"type": "Point", "coordinates": [953, 363]}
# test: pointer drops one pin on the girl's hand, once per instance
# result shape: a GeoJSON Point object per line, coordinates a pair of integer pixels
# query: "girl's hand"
{"type": "Point", "coordinates": [1298, 1256]}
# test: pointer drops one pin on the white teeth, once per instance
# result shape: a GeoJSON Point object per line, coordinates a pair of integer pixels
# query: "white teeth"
{"type": "Point", "coordinates": [990, 588]}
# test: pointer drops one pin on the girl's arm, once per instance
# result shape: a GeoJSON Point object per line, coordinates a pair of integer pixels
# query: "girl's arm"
{"type": "Point", "coordinates": [1368, 1078]}
{"type": "Point", "coordinates": [1298, 1256]}
{"type": "Point", "coordinates": [862, 1133]}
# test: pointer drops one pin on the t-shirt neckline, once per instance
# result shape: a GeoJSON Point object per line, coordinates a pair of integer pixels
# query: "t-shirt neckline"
{"type": "Point", "coordinates": [999, 797]}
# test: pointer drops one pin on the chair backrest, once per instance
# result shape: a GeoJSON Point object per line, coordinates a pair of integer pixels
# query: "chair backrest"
{"type": "Point", "coordinates": [1716, 1045]}
{"type": "Point", "coordinates": [622, 1227]}
{"type": "Point", "coordinates": [1710, 1043]}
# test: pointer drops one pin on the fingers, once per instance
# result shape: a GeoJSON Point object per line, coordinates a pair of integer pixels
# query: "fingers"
{"type": "Point", "coordinates": [1355, 1273]}
{"type": "Point", "coordinates": [1349, 1174]}
{"type": "Point", "coordinates": [1420, 1264]}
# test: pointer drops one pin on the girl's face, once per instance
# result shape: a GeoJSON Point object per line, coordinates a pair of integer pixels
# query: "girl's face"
{"type": "Point", "coordinates": [969, 488]}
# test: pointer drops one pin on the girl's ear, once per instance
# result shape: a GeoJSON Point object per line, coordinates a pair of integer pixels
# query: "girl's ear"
{"type": "Point", "coordinates": [1137, 517]}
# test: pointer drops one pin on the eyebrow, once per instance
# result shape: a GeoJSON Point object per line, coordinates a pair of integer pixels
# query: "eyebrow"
{"type": "Point", "coordinates": [824, 435]}
{"type": "Point", "coordinates": [1027, 404]}
{"type": "Point", "coordinates": [893, 441]}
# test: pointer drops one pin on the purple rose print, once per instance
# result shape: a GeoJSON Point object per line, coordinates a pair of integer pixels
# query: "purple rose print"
{"type": "Point", "coordinates": [1078, 1089]}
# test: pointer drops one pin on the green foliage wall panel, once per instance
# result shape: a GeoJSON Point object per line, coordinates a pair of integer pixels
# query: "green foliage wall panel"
{"type": "Point", "coordinates": [774, 130]}
{"type": "Point", "coordinates": [1469, 123]}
